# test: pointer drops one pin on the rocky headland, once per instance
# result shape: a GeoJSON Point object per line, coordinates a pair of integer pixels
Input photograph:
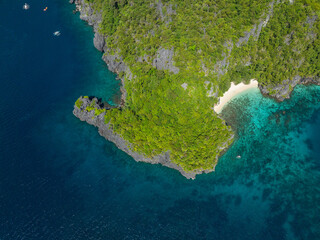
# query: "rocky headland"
{"type": "Point", "coordinates": [92, 111]}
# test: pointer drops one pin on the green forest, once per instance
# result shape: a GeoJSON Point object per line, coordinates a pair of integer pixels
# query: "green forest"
{"type": "Point", "coordinates": [214, 43]}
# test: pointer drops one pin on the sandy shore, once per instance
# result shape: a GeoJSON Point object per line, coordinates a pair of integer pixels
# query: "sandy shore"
{"type": "Point", "coordinates": [232, 92]}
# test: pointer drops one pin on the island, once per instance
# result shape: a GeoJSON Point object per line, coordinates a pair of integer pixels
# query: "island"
{"type": "Point", "coordinates": [181, 61]}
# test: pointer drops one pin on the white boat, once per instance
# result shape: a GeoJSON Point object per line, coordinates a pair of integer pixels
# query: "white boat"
{"type": "Point", "coordinates": [26, 6]}
{"type": "Point", "coordinates": [56, 33]}
{"type": "Point", "coordinates": [238, 156]}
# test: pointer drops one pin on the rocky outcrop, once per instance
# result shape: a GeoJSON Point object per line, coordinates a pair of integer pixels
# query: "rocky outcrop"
{"type": "Point", "coordinates": [221, 67]}
{"type": "Point", "coordinates": [105, 130]}
{"type": "Point", "coordinates": [99, 41]}
{"type": "Point", "coordinates": [164, 15]}
{"type": "Point", "coordinates": [163, 60]}
{"type": "Point", "coordinates": [283, 90]}
{"type": "Point", "coordinates": [88, 14]}
{"type": "Point", "coordinates": [256, 29]}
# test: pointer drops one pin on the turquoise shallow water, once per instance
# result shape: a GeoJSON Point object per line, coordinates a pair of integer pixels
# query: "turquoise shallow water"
{"type": "Point", "coordinates": [60, 180]}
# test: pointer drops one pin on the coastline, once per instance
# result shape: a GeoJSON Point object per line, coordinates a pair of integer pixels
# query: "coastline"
{"type": "Point", "coordinates": [116, 64]}
{"type": "Point", "coordinates": [233, 91]}
{"type": "Point", "coordinates": [85, 114]}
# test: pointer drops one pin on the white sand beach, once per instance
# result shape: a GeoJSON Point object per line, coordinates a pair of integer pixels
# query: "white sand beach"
{"type": "Point", "coordinates": [232, 92]}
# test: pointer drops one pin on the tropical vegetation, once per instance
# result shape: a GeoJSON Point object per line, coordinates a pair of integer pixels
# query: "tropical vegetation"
{"type": "Point", "coordinates": [214, 43]}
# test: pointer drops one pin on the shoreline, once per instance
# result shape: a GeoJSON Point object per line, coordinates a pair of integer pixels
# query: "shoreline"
{"type": "Point", "coordinates": [105, 130]}
{"type": "Point", "coordinates": [93, 19]}
{"type": "Point", "coordinates": [233, 91]}
{"type": "Point", "coordinates": [116, 64]}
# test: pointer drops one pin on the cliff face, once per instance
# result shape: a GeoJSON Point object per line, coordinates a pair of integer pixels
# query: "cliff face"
{"type": "Point", "coordinates": [284, 90]}
{"type": "Point", "coordinates": [114, 62]}
{"type": "Point", "coordinates": [105, 130]}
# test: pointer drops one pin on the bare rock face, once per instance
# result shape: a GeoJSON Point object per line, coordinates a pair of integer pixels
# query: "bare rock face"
{"type": "Point", "coordinates": [163, 60]}
{"type": "Point", "coordinates": [98, 41]}
{"type": "Point", "coordinates": [88, 14]}
{"type": "Point", "coordinates": [115, 63]}
{"type": "Point", "coordinates": [256, 30]}
{"type": "Point", "coordinates": [107, 132]}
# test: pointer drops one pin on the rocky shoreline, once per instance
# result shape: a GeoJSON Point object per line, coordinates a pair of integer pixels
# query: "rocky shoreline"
{"type": "Point", "coordinates": [105, 130]}
{"type": "Point", "coordinates": [283, 91]}
{"type": "Point", "coordinates": [114, 61]}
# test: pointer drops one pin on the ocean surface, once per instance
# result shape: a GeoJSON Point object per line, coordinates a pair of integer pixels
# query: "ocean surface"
{"type": "Point", "coordinates": [60, 180]}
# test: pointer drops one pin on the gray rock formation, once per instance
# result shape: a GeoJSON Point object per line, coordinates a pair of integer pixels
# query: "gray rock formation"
{"type": "Point", "coordinates": [256, 30]}
{"type": "Point", "coordinates": [114, 62]}
{"type": "Point", "coordinates": [99, 41]}
{"type": "Point", "coordinates": [163, 60]}
{"type": "Point", "coordinates": [88, 14]}
{"type": "Point", "coordinates": [165, 16]}
{"type": "Point", "coordinates": [221, 67]}
{"type": "Point", "coordinates": [107, 132]}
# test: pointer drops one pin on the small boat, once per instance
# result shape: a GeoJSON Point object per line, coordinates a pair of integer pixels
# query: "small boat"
{"type": "Point", "coordinates": [56, 33]}
{"type": "Point", "coordinates": [238, 156]}
{"type": "Point", "coordinates": [45, 9]}
{"type": "Point", "coordinates": [26, 6]}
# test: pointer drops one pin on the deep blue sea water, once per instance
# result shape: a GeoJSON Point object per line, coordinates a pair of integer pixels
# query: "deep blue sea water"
{"type": "Point", "coordinates": [60, 180]}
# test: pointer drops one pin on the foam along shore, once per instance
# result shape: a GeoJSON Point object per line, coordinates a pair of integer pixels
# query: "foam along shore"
{"type": "Point", "coordinates": [233, 91]}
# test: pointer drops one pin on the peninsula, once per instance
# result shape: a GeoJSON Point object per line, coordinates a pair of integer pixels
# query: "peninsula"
{"type": "Point", "coordinates": [176, 59]}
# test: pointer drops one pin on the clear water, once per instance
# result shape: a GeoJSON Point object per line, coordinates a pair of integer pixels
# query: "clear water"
{"type": "Point", "coordinates": [60, 180]}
